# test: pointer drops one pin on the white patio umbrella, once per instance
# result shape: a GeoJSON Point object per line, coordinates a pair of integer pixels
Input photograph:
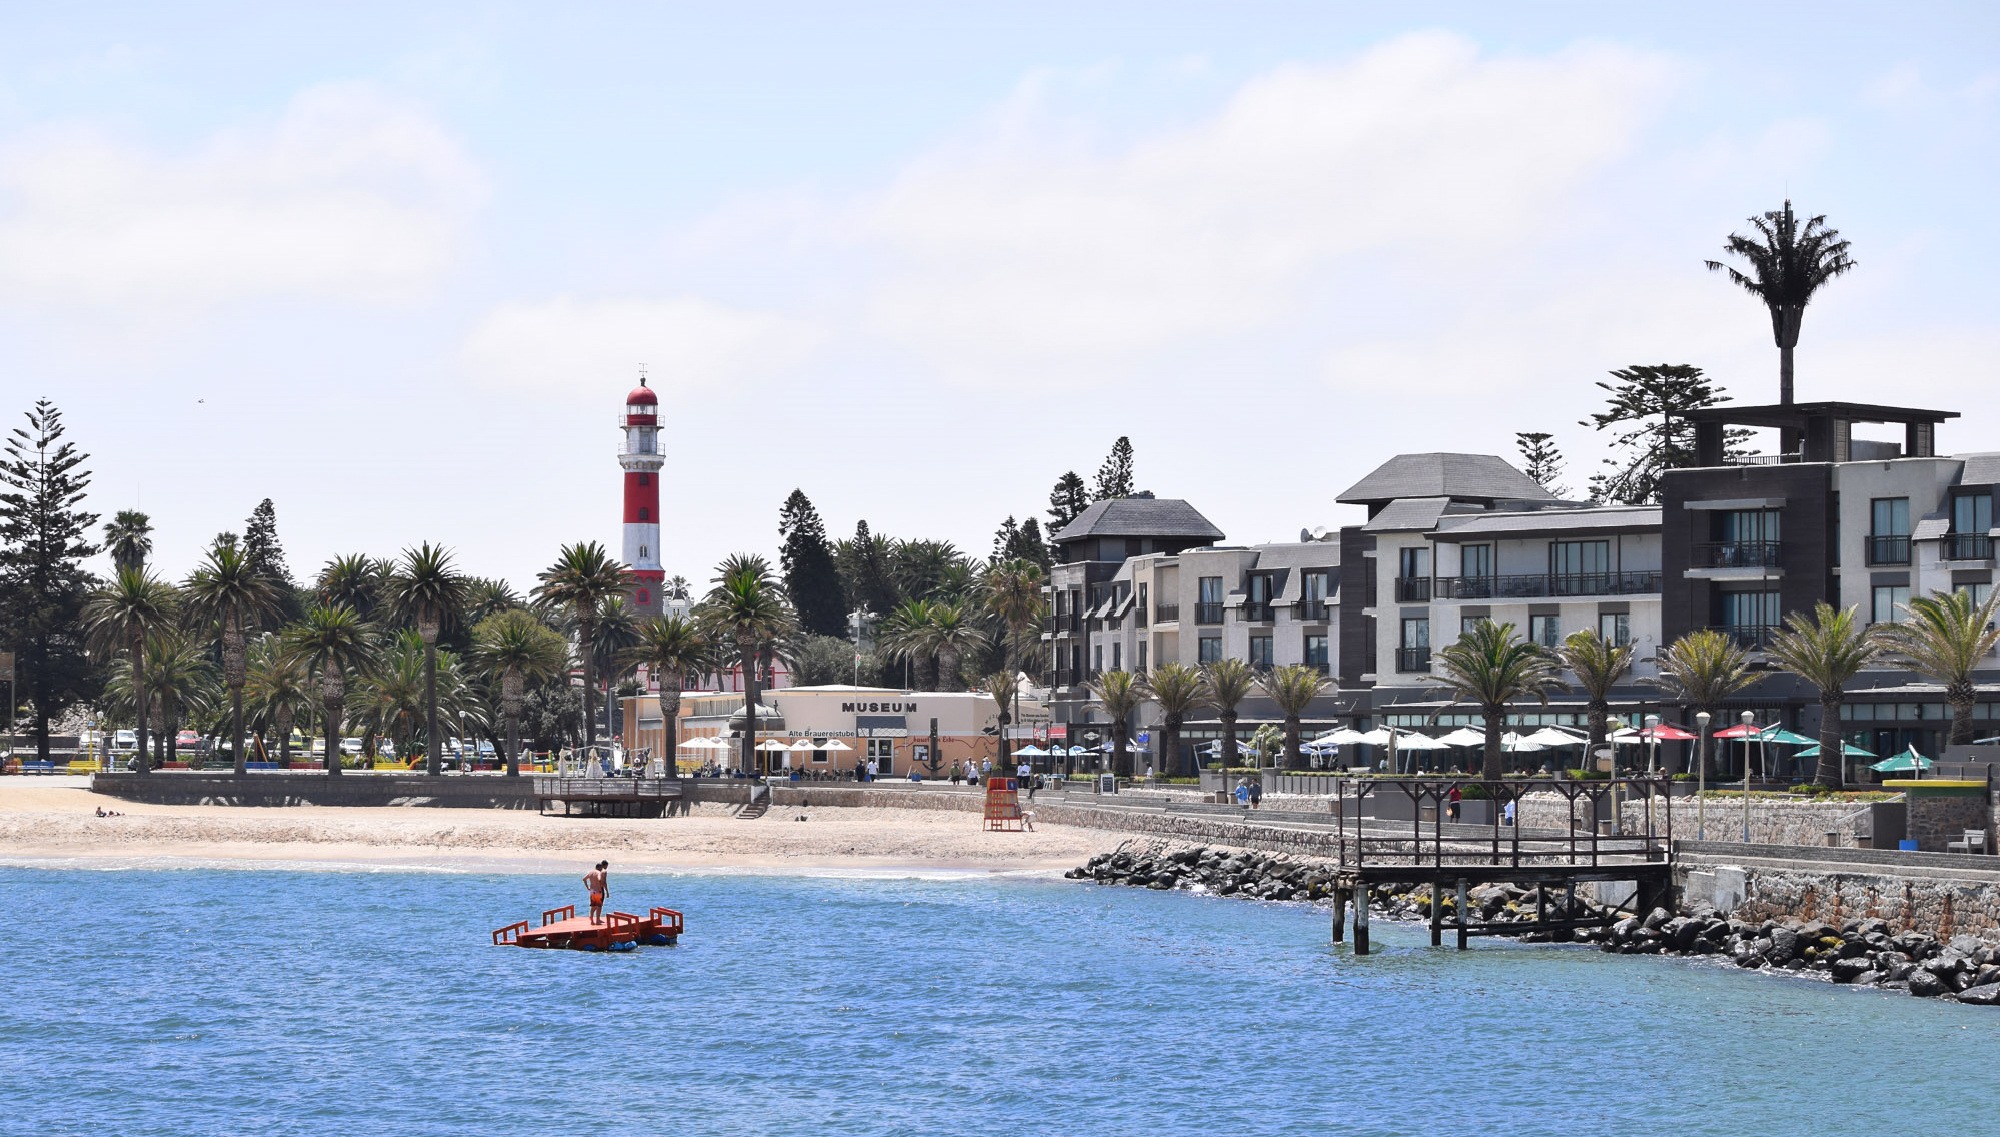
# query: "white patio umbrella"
{"type": "Point", "coordinates": [1344, 736]}
{"type": "Point", "coordinates": [1376, 737]}
{"type": "Point", "coordinates": [1464, 736]}
{"type": "Point", "coordinates": [834, 744]}
{"type": "Point", "coordinates": [1554, 736]}
{"type": "Point", "coordinates": [1514, 743]}
{"type": "Point", "coordinates": [698, 744]}
{"type": "Point", "coordinates": [771, 745]}
{"type": "Point", "coordinates": [1031, 751]}
{"type": "Point", "coordinates": [1415, 741]}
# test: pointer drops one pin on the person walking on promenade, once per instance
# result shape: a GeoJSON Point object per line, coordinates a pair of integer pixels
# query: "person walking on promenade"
{"type": "Point", "coordinates": [1243, 792]}
{"type": "Point", "coordinates": [598, 883]}
{"type": "Point", "coordinates": [1451, 806]}
{"type": "Point", "coordinates": [1257, 794]}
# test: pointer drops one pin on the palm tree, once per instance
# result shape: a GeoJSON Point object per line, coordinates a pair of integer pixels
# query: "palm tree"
{"type": "Point", "coordinates": [487, 597]}
{"type": "Point", "coordinates": [909, 634]}
{"type": "Point", "coordinates": [278, 690]}
{"type": "Point", "coordinates": [1005, 688]}
{"type": "Point", "coordinates": [181, 679]}
{"type": "Point", "coordinates": [353, 580]}
{"type": "Point", "coordinates": [1014, 597]}
{"type": "Point", "coordinates": [1490, 667]}
{"type": "Point", "coordinates": [612, 639]}
{"type": "Point", "coordinates": [128, 537]}
{"type": "Point", "coordinates": [123, 615]}
{"type": "Point", "coordinates": [426, 591]}
{"type": "Point", "coordinates": [336, 641]}
{"type": "Point", "coordinates": [391, 699]}
{"type": "Point", "coordinates": [1176, 689]}
{"type": "Point", "coordinates": [1787, 266]}
{"type": "Point", "coordinates": [228, 590]}
{"type": "Point", "coordinates": [1121, 695]}
{"type": "Point", "coordinates": [1827, 651]}
{"type": "Point", "coordinates": [1294, 687]}
{"type": "Point", "coordinates": [1945, 639]}
{"type": "Point", "coordinates": [582, 579]}
{"type": "Point", "coordinates": [1701, 670]}
{"type": "Point", "coordinates": [745, 607]}
{"type": "Point", "coordinates": [672, 648]}
{"type": "Point", "coordinates": [1598, 665]}
{"type": "Point", "coordinates": [956, 636]}
{"type": "Point", "coordinates": [1224, 685]}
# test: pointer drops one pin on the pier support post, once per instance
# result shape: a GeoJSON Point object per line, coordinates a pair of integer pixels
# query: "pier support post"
{"type": "Point", "coordinates": [1361, 920]}
{"type": "Point", "coordinates": [1437, 913]}
{"type": "Point", "coordinates": [1339, 914]}
{"type": "Point", "coordinates": [1461, 914]}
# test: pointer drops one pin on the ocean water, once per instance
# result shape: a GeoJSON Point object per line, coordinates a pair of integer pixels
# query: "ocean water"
{"type": "Point", "coordinates": [302, 1002]}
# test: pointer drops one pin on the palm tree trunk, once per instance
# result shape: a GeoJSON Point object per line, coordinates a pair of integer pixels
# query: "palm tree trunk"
{"type": "Point", "coordinates": [1832, 755]}
{"type": "Point", "coordinates": [1962, 698]}
{"type": "Point", "coordinates": [1005, 750]}
{"type": "Point", "coordinates": [583, 638]}
{"type": "Point", "coordinates": [433, 751]}
{"type": "Point", "coordinates": [1496, 719]}
{"type": "Point", "coordinates": [947, 664]}
{"type": "Point", "coordinates": [1170, 747]}
{"type": "Point", "coordinates": [1292, 742]}
{"type": "Point", "coordinates": [232, 674]}
{"type": "Point", "coordinates": [236, 729]}
{"type": "Point", "coordinates": [1121, 759]}
{"type": "Point", "coordinates": [748, 651]}
{"type": "Point", "coordinates": [1228, 741]}
{"type": "Point", "coordinates": [511, 685]}
{"type": "Point", "coordinates": [333, 693]}
{"type": "Point", "coordinates": [670, 727]}
{"type": "Point", "coordinates": [1785, 375]}
{"type": "Point", "coordinates": [284, 724]}
{"type": "Point", "coordinates": [142, 760]}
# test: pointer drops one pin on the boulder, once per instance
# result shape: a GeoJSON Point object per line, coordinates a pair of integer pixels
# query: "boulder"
{"type": "Point", "coordinates": [1846, 970]}
{"type": "Point", "coordinates": [1784, 945]}
{"type": "Point", "coordinates": [1926, 985]}
{"type": "Point", "coordinates": [1984, 995]}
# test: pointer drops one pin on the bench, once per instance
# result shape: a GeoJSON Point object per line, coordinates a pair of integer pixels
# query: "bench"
{"type": "Point", "coordinates": [1974, 842]}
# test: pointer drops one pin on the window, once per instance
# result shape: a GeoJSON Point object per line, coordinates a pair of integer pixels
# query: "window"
{"type": "Point", "coordinates": [1260, 652]}
{"type": "Point", "coordinates": [1316, 585]}
{"type": "Point", "coordinates": [645, 513]}
{"type": "Point", "coordinates": [883, 751]}
{"type": "Point", "coordinates": [1976, 592]}
{"type": "Point", "coordinates": [1578, 567]}
{"type": "Point", "coordinates": [1546, 631]}
{"type": "Point", "coordinates": [1744, 526]}
{"type": "Point", "coordinates": [1139, 610]}
{"type": "Point", "coordinates": [1972, 513]}
{"type": "Point", "coordinates": [1476, 560]}
{"type": "Point", "coordinates": [1888, 603]}
{"type": "Point", "coordinates": [1097, 658]}
{"type": "Point", "coordinates": [645, 479]}
{"type": "Point", "coordinates": [1412, 563]}
{"type": "Point", "coordinates": [1750, 609]}
{"type": "Point", "coordinates": [1889, 531]}
{"type": "Point", "coordinates": [1467, 623]}
{"type": "Point", "coordinates": [1413, 647]}
{"type": "Point", "coordinates": [1208, 649]}
{"type": "Point", "coordinates": [821, 755]}
{"type": "Point", "coordinates": [1142, 654]}
{"type": "Point", "coordinates": [1315, 653]}
{"type": "Point", "coordinates": [1615, 627]}
{"type": "Point", "coordinates": [1208, 600]}
{"type": "Point", "coordinates": [1257, 598]}
{"type": "Point", "coordinates": [642, 552]}
{"type": "Point", "coordinates": [1117, 656]}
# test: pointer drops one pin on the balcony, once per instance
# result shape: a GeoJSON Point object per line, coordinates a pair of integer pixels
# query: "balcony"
{"type": "Point", "coordinates": [1253, 613]}
{"type": "Point", "coordinates": [1893, 550]}
{"type": "Point", "coordinates": [1968, 547]}
{"type": "Point", "coordinates": [1205, 613]}
{"type": "Point", "coordinates": [1067, 624]}
{"type": "Point", "coordinates": [1735, 554]}
{"type": "Point", "coordinates": [1413, 589]}
{"type": "Point", "coordinates": [1413, 659]}
{"type": "Point", "coordinates": [1166, 613]}
{"type": "Point", "coordinates": [1751, 637]}
{"type": "Point", "coordinates": [1528, 586]}
{"type": "Point", "coordinates": [1312, 611]}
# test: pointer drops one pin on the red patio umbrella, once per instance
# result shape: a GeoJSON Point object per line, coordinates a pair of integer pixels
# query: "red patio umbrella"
{"type": "Point", "coordinates": [1666, 732]}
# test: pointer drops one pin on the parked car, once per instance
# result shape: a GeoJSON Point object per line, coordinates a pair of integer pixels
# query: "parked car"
{"type": "Point", "coordinates": [124, 740]}
{"type": "Point", "coordinates": [350, 747]}
{"type": "Point", "coordinates": [189, 742]}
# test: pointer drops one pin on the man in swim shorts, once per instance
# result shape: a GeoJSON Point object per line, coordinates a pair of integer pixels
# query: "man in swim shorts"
{"type": "Point", "coordinates": [598, 883]}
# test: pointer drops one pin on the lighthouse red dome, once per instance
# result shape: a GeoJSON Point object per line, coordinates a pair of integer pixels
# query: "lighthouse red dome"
{"type": "Point", "coordinates": [641, 396]}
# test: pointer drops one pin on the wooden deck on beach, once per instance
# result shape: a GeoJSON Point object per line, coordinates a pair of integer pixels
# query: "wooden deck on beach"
{"type": "Point", "coordinates": [611, 797]}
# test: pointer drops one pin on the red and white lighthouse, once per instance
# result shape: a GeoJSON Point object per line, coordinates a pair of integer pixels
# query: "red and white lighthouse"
{"type": "Point", "coordinates": [640, 457]}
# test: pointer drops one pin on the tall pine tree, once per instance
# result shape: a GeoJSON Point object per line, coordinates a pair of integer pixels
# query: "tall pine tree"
{"type": "Point", "coordinates": [1069, 498]}
{"type": "Point", "coordinates": [266, 558]}
{"type": "Point", "coordinates": [1648, 403]}
{"type": "Point", "coordinates": [1541, 461]}
{"type": "Point", "coordinates": [1114, 478]}
{"type": "Point", "coordinates": [867, 565]}
{"type": "Point", "coordinates": [811, 578]}
{"type": "Point", "coordinates": [43, 542]}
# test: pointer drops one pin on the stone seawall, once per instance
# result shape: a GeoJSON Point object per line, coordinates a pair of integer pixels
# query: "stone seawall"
{"type": "Point", "coordinates": [1937, 894]}
{"type": "Point", "coordinates": [1772, 821]}
{"type": "Point", "coordinates": [454, 792]}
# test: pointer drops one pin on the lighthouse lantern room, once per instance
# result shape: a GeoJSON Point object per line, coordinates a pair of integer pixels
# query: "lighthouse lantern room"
{"type": "Point", "coordinates": [640, 457]}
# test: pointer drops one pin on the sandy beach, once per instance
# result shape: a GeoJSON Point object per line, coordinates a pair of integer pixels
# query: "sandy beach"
{"type": "Point", "coordinates": [53, 820]}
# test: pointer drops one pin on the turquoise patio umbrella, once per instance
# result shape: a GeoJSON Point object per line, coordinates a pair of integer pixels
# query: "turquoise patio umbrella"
{"type": "Point", "coordinates": [1907, 760]}
{"type": "Point", "coordinates": [1847, 748]}
{"type": "Point", "coordinates": [1783, 737]}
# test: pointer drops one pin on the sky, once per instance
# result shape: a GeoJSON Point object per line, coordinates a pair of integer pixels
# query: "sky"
{"type": "Point", "coordinates": [394, 266]}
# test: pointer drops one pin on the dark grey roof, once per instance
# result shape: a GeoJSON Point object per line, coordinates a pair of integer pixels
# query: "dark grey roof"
{"type": "Point", "coordinates": [1140, 517]}
{"type": "Point", "coordinates": [1980, 470]}
{"type": "Point", "coordinates": [1616, 517]}
{"type": "Point", "coordinates": [1472, 477]}
{"type": "Point", "coordinates": [1409, 513]}
{"type": "Point", "coordinates": [1931, 527]}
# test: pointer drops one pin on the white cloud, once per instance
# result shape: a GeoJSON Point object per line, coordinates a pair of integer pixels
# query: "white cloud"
{"type": "Point", "coordinates": [1026, 250]}
{"type": "Point", "coordinates": [347, 194]}
{"type": "Point", "coordinates": [686, 343]}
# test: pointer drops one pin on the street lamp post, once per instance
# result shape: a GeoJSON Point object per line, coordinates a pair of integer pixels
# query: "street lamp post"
{"type": "Point", "coordinates": [1750, 721]}
{"type": "Point", "coordinates": [1701, 775]}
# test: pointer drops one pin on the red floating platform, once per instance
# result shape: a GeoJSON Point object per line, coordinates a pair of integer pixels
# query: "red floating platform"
{"type": "Point", "coordinates": [618, 931]}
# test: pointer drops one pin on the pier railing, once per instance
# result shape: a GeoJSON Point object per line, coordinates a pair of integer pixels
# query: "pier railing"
{"type": "Point", "coordinates": [1433, 840]}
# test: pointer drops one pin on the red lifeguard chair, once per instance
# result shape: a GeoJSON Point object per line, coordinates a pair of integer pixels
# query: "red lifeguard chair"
{"type": "Point", "coordinates": [1003, 804]}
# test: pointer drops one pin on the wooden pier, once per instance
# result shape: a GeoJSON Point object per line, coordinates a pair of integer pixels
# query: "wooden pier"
{"type": "Point", "coordinates": [611, 797]}
{"type": "Point", "coordinates": [618, 931]}
{"type": "Point", "coordinates": [1431, 850]}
